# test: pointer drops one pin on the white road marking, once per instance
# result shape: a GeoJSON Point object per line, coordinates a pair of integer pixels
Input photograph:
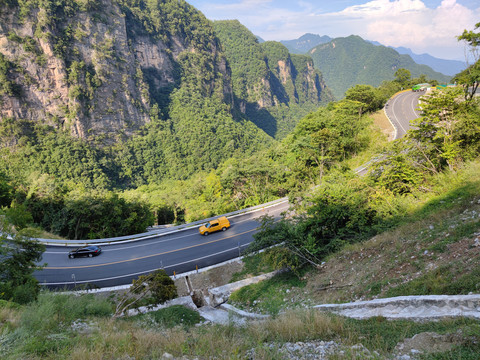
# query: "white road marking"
{"type": "Point", "coordinates": [393, 111]}
{"type": "Point", "coordinates": [139, 273]}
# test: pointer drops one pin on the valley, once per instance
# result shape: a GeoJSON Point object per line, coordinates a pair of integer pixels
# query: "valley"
{"type": "Point", "coordinates": [118, 116]}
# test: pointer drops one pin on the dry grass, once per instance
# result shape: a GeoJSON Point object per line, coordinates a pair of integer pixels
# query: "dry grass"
{"type": "Point", "coordinates": [116, 339]}
{"type": "Point", "coordinates": [298, 325]}
{"type": "Point", "coordinates": [381, 120]}
{"type": "Point", "coordinates": [9, 317]}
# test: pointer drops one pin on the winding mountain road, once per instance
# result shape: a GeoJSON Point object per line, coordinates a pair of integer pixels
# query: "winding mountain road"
{"type": "Point", "coordinates": [181, 250]}
{"type": "Point", "coordinates": [401, 109]}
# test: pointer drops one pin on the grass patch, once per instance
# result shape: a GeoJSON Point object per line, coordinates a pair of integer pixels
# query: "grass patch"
{"type": "Point", "coordinates": [376, 287]}
{"type": "Point", "coordinates": [456, 232]}
{"type": "Point", "coordinates": [172, 316]}
{"type": "Point", "coordinates": [383, 335]}
{"type": "Point", "coordinates": [300, 325]}
{"type": "Point", "coordinates": [442, 281]}
{"type": "Point", "coordinates": [254, 265]}
{"type": "Point", "coordinates": [378, 140]}
{"type": "Point", "coordinates": [267, 296]}
{"type": "Point", "coordinates": [52, 311]}
{"type": "Point", "coordinates": [449, 191]}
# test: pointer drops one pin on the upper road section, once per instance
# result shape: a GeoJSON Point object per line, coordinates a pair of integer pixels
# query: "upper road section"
{"type": "Point", "coordinates": [401, 109]}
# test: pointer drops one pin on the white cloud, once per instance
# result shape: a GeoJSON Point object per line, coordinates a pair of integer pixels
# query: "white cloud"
{"type": "Point", "coordinates": [383, 7]}
{"type": "Point", "coordinates": [406, 23]}
{"type": "Point", "coordinates": [410, 23]}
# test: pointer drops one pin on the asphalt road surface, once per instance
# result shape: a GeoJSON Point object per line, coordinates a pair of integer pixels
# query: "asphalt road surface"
{"type": "Point", "coordinates": [179, 252]}
{"type": "Point", "coordinates": [402, 109]}
{"type": "Point", "coordinates": [182, 251]}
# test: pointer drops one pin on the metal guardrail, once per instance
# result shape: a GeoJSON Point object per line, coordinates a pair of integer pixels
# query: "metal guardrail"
{"type": "Point", "coordinates": [155, 232]}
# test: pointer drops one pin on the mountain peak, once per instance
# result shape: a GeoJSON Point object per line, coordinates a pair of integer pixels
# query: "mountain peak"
{"type": "Point", "coordinates": [305, 42]}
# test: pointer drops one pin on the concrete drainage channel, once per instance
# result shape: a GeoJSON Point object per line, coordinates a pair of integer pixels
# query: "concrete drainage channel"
{"type": "Point", "coordinates": [211, 304]}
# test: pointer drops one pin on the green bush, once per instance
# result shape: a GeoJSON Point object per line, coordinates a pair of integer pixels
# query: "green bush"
{"type": "Point", "coordinates": [176, 315]}
{"type": "Point", "coordinates": [18, 215]}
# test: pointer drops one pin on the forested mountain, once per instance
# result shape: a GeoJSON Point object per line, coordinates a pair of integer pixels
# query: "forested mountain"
{"type": "Point", "coordinates": [96, 68]}
{"type": "Point", "coordinates": [147, 78]}
{"type": "Point", "coordinates": [345, 62]}
{"type": "Point", "coordinates": [273, 87]}
{"type": "Point", "coordinates": [305, 42]}
{"type": "Point", "coordinates": [308, 41]}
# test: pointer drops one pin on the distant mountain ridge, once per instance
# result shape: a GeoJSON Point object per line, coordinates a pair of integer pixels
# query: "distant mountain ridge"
{"type": "Point", "coordinates": [447, 67]}
{"type": "Point", "coordinates": [345, 62]}
{"type": "Point", "coordinates": [305, 42]}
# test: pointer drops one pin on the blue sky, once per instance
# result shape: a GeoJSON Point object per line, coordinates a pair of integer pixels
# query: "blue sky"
{"type": "Point", "coordinates": [425, 26]}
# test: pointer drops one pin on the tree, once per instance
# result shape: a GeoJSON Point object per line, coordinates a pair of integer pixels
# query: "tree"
{"type": "Point", "coordinates": [327, 136]}
{"type": "Point", "coordinates": [437, 128]}
{"type": "Point", "coordinates": [339, 212]}
{"type": "Point", "coordinates": [473, 41]}
{"type": "Point", "coordinates": [18, 257]}
{"type": "Point", "coordinates": [470, 77]}
{"type": "Point", "coordinates": [367, 95]}
{"type": "Point", "coordinates": [396, 171]}
{"type": "Point", "coordinates": [402, 76]}
{"type": "Point", "coordinates": [470, 80]}
{"type": "Point", "coordinates": [148, 290]}
{"type": "Point", "coordinates": [6, 191]}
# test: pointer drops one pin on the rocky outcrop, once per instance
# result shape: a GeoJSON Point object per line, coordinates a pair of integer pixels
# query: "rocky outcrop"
{"type": "Point", "coordinates": [93, 71]}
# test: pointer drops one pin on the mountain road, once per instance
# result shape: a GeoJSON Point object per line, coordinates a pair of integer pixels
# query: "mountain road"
{"type": "Point", "coordinates": [177, 252]}
{"type": "Point", "coordinates": [182, 249]}
{"type": "Point", "coordinates": [401, 109]}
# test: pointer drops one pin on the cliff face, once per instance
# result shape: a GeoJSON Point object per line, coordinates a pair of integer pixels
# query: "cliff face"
{"type": "Point", "coordinates": [94, 68]}
{"type": "Point", "coordinates": [267, 79]}
{"type": "Point", "coordinates": [300, 81]}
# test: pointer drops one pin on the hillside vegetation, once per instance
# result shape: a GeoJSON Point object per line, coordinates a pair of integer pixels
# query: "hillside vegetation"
{"type": "Point", "coordinates": [144, 95]}
{"type": "Point", "coordinates": [429, 249]}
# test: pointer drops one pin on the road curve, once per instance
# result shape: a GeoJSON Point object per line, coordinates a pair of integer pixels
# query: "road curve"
{"type": "Point", "coordinates": [177, 252]}
{"type": "Point", "coordinates": [401, 109]}
{"type": "Point", "coordinates": [184, 250]}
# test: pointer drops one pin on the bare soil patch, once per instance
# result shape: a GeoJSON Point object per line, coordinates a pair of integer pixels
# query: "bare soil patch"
{"type": "Point", "coordinates": [368, 270]}
{"type": "Point", "coordinates": [205, 280]}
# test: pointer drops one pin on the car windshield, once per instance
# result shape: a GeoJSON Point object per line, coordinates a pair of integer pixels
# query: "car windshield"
{"type": "Point", "coordinates": [207, 225]}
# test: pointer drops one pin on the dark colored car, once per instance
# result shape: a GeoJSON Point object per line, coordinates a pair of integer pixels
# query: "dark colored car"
{"type": "Point", "coordinates": [90, 251]}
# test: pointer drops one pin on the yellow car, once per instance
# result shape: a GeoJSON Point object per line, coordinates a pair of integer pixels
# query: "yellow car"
{"type": "Point", "coordinates": [221, 223]}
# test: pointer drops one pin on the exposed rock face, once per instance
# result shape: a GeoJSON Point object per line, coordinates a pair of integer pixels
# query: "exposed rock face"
{"type": "Point", "coordinates": [93, 71]}
{"type": "Point", "coordinates": [292, 80]}
{"type": "Point", "coordinates": [265, 75]}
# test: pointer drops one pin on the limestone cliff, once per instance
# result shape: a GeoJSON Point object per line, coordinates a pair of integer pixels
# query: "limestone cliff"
{"type": "Point", "coordinates": [272, 87]}
{"type": "Point", "coordinates": [98, 67]}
